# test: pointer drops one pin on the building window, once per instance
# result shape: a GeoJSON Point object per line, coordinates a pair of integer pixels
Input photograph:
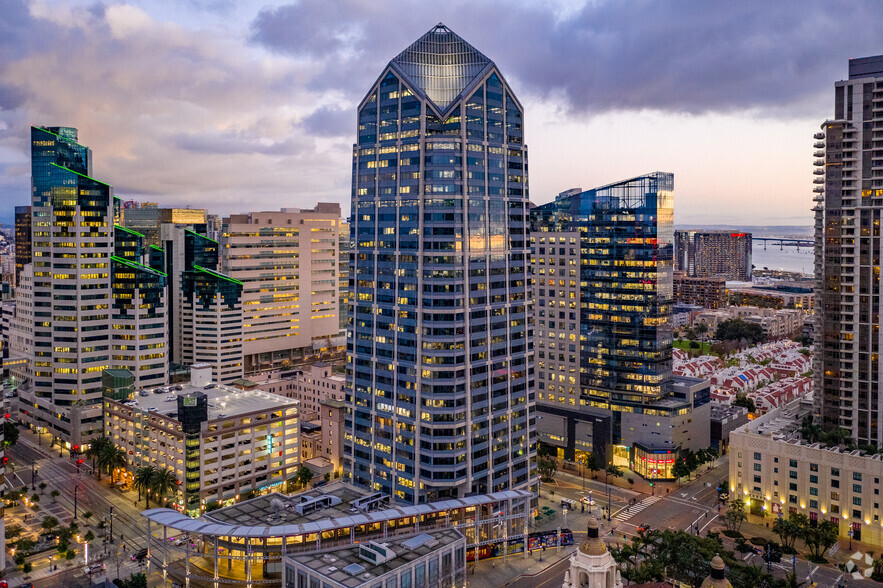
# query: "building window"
{"type": "Point", "coordinates": [813, 503]}
{"type": "Point", "coordinates": [813, 491]}
{"type": "Point", "coordinates": [835, 496]}
{"type": "Point", "coordinates": [857, 488]}
{"type": "Point", "coordinates": [856, 514]}
{"type": "Point", "coordinates": [792, 463]}
{"type": "Point", "coordinates": [757, 467]}
{"type": "Point", "coordinates": [813, 479]}
{"type": "Point", "coordinates": [835, 471]}
{"type": "Point", "coordinates": [792, 499]}
{"type": "Point", "coordinates": [792, 486]}
{"type": "Point", "coordinates": [757, 479]}
{"type": "Point", "coordinates": [813, 467]}
{"type": "Point", "coordinates": [757, 456]}
{"type": "Point", "coordinates": [856, 501]}
{"type": "Point", "coordinates": [857, 476]}
{"type": "Point", "coordinates": [792, 474]}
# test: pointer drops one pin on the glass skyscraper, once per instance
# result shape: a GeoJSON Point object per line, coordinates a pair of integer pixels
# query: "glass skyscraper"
{"type": "Point", "coordinates": [439, 360]}
{"type": "Point", "coordinates": [602, 265]}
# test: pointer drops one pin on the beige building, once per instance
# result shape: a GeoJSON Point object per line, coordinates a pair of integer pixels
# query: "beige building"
{"type": "Point", "coordinates": [242, 440]}
{"type": "Point", "coordinates": [776, 471]}
{"type": "Point", "coordinates": [289, 263]}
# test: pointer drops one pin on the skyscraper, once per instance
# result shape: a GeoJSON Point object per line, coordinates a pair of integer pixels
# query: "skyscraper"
{"type": "Point", "coordinates": [707, 254]}
{"type": "Point", "coordinates": [602, 267]}
{"type": "Point", "coordinates": [90, 300]}
{"type": "Point", "coordinates": [439, 363]}
{"type": "Point", "coordinates": [849, 204]}
{"type": "Point", "coordinates": [22, 239]}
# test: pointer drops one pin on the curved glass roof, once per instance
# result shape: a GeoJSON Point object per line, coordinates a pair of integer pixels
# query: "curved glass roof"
{"type": "Point", "coordinates": [441, 64]}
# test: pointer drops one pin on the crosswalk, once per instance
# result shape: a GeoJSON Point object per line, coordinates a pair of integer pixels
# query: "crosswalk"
{"type": "Point", "coordinates": [625, 513]}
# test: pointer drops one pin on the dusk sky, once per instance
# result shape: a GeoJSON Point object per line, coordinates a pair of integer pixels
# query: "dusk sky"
{"type": "Point", "coordinates": [236, 105]}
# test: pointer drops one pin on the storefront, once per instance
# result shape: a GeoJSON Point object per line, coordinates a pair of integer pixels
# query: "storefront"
{"type": "Point", "coordinates": [653, 463]}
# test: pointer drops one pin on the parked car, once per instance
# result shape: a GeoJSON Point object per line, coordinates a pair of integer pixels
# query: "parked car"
{"type": "Point", "coordinates": [94, 568]}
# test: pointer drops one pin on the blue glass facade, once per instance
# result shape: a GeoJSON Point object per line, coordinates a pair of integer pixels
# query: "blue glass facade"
{"type": "Point", "coordinates": [624, 232]}
{"type": "Point", "coordinates": [439, 360]}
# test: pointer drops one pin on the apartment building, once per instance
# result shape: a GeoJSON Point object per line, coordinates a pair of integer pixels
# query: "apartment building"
{"type": "Point", "coordinates": [705, 254]}
{"type": "Point", "coordinates": [705, 292]}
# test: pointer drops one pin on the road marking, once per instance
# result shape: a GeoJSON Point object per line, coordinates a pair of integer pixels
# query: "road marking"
{"type": "Point", "coordinates": [708, 523]}
{"type": "Point", "coordinates": [626, 513]}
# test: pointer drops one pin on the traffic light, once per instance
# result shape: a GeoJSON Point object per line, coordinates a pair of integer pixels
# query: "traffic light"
{"type": "Point", "coordinates": [80, 461]}
{"type": "Point", "coordinates": [651, 484]}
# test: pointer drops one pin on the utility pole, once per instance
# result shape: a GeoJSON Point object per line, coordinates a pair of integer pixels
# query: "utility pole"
{"type": "Point", "coordinates": [34, 477]}
{"type": "Point", "coordinates": [111, 525]}
{"type": "Point", "coordinates": [76, 489]}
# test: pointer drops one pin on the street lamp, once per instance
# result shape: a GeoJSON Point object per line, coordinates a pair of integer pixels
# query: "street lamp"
{"type": "Point", "coordinates": [34, 477]}
{"type": "Point", "coordinates": [850, 533]}
{"type": "Point", "coordinates": [76, 489]}
{"type": "Point", "coordinates": [111, 525]}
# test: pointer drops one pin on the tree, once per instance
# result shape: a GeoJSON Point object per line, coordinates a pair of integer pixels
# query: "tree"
{"type": "Point", "coordinates": [877, 571]}
{"type": "Point", "coordinates": [614, 471]}
{"type": "Point", "coordinates": [113, 457]}
{"type": "Point", "coordinates": [89, 537]}
{"type": "Point", "coordinates": [735, 515]}
{"type": "Point", "coordinates": [117, 558]}
{"type": "Point", "coordinates": [97, 452]}
{"type": "Point", "coordinates": [55, 494]}
{"type": "Point", "coordinates": [744, 400]}
{"type": "Point", "coordinates": [738, 329]}
{"type": "Point", "coordinates": [138, 580]}
{"type": "Point", "coordinates": [49, 523]}
{"type": "Point", "coordinates": [680, 469]}
{"type": "Point", "coordinates": [591, 463]}
{"type": "Point", "coordinates": [163, 483]}
{"type": "Point", "coordinates": [544, 449]}
{"type": "Point", "coordinates": [547, 468]}
{"type": "Point", "coordinates": [25, 545]}
{"type": "Point", "coordinates": [10, 433]}
{"type": "Point", "coordinates": [13, 531]}
{"type": "Point", "coordinates": [701, 328]}
{"type": "Point", "coordinates": [790, 529]}
{"type": "Point", "coordinates": [141, 482]}
{"type": "Point", "coordinates": [819, 538]}
{"type": "Point", "coordinates": [303, 476]}
{"type": "Point", "coordinates": [42, 486]}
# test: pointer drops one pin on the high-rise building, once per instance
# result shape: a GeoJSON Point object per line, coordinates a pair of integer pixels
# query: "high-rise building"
{"type": "Point", "coordinates": [205, 322]}
{"type": "Point", "coordinates": [288, 263]}
{"type": "Point", "coordinates": [148, 218]}
{"type": "Point", "coordinates": [89, 301]}
{"type": "Point", "coordinates": [345, 297]}
{"type": "Point", "coordinates": [849, 203]}
{"type": "Point", "coordinates": [22, 239]}
{"type": "Point", "coordinates": [439, 364]}
{"type": "Point", "coordinates": [706, 254]}
{"type": "Point", "coordinates": [602, 271]}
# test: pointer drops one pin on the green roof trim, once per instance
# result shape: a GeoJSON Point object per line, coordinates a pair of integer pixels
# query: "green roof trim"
{"type": "Point", "coordinates": [81, 175]}
{"type": "Point", "coordinates": [199, 268]}
{"type": "Point", "coordinates": [129, 231]}
{"type": "Point", "coordinates": [203, 236]}
{"type": "Point", "coordinates": [136, 265]}
{"type": "Point", "coordinates": [65, 139]}
{"type": "Point", "coordinates": [157, 247]}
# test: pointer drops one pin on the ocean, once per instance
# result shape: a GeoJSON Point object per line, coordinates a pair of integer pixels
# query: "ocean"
{"type": "Point", "coordinates": [788, 258]}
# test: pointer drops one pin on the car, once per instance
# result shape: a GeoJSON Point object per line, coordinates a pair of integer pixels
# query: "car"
{"type": "Point", "coordinates": [144, 393]}
{"type": "Point", "coordinates": [643, 527]}
{"type": "Point", "coordinates": [139, 555]}
{"type": "Point", "coordinates": [94, 568]}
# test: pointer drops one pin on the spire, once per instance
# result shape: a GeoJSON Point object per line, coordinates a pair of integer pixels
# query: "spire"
{"type": "Point", "coordinates": [441, 64]}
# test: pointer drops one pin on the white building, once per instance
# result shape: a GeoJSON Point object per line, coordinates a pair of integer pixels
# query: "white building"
{"type": "Point", "coordinates": [592, 565]}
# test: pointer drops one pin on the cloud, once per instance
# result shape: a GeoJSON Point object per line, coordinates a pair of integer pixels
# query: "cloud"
{"type": "Point", "coordinates": [672, 55]}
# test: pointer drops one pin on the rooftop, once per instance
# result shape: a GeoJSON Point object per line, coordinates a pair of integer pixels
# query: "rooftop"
{"type": "Point", "coordinates": [222, 400]}
{"type": "Point", "coordinates": [345, 567]}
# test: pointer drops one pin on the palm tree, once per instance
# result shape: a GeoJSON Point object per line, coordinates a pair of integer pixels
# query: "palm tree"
{"type": "Point", "coordinates": [96, 451]}
{"type": "Point", "coordinates": [112, 457]}
{"type": "Point", "coordinates": [163, 483]}
{"type": "Point", "coordinates": [142, 480]}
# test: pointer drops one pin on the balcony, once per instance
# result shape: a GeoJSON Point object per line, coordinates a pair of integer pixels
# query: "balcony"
{"type": "Point", "coordinates": [818, 172]}
{"type": "Point", "coordinates": [819, 145]}
{"type": "Point", "coordinates": [818, 180]}
{"type": "Point", "coordinates": [819, 162]}
{"type": "Point", "coordinates": [819, 135]}
{"type": "Point", "coordinates": [818, 154]}
{"type": "Point", "coordinates": [818, 190]}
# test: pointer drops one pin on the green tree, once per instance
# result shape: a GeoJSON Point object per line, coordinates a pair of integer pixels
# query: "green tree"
{"type": "Point", "coordinates": [547, 468]}
{"type": "Point", "coordinates": [163, 483]}
{"type": "Point", "coordinates": [97, 452]}
{"type": "Point", "coordinates": [42, 486]}
{"type": "Point", "coordinates": [738, 329]}
{"type": "Point", "coordinates": [142, 480]}
{"type": "Point", "coordinates": [134, 581]}
{"type": "Point", "coordinates": [13, 531]}
{"type": "Point", "coordinates": [113, 457]}
{"type": "Point", "coordinates": [744, 400]}
{"type": "Point", "coordinates": [10, 433]}
{"type": "Point", "coordinates": [877, 571]}
{"type": "Point", "coordinates": [819, 538]}
{"type": "Point", "coordinates": [591, 463]}
{"type": "Point", "coordinates": [790, 529]}
{"type": "Point", "coordinates": [25, 545]}
{"type": "Point", "coordinates": [544, 449]}
{"type": "Point", "coordinates": [735, 515]}
{"type": "Point", "coordinates": [701, 328]}
{"type": "Point", "coordinates": [55, 494]}
{"type": "Point", "coordinates": [304, 476]}
{"type": "Point", "coordinates": [49, 523]}
{"type": "Point", "coordinates": [680, 469]}
{"type": "Point", "coordinates": [89, 537]}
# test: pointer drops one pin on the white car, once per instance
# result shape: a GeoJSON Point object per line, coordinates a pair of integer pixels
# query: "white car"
{"type": "Point", "coordinates": [94, 568]}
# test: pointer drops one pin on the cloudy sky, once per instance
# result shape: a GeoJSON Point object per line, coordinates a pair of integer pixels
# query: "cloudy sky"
{"type": "Point", "coordinates": [238, 105]}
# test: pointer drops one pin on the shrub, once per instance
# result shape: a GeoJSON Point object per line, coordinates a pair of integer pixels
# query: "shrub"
{"type": "Point", "coordinates": [27, 567]}
{"type": "Point", "coordinates": [759, 541]}
{"type": "Point", "coordinates": [732, 534]}
{"type": "Point", "coordinates": [631, 480]}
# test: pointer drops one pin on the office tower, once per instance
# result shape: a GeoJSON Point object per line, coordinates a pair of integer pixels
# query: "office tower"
{"type": "Point", "coordinates": [73, 216]}
{"type": "Point", "coordinates": [148, 218]}
{"type": "Point", "coordinates": [849, 203]}
{"type": "Point", "coordinates": [140, 309]}
{"type": "Point", "coordinates": [288, 263]}
{"type": "Point", "coordinates": [602, 269]}
{"type": "Point", "coordinates": [22, 239]}
{"type": "Point", "coordinates": [706, 254]}
{"type": "Point", "coordinates": [439, 364]}
{"type": "Point", "coordinates": [88, 302]}
{"type": "Point", "coordinates": [205, 323]}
